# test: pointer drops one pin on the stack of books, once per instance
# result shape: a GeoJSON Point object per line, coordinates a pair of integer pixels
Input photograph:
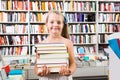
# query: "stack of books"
{"type": "Point", "coordinates": [53, 55]}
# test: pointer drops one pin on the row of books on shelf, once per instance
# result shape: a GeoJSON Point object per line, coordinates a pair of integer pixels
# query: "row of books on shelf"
{"type": "Point", "coordinates": [17, 28]}
{"type": "Point", "coordinates": [71, 17]}
{"type": "Point", "coordinates": [13, 40]}
{"type": "Point", "coordinates": [68, 5]}
{"type": "Point", "coordinates": [14, 5]}
{"type": "Point", "coordinates": [104, 17]}
{"type": "Point", "coordinates": [46, 5]}
{"type": "Point", "coordinates": [109, 6]}
{"type": "Point", "coordinates": [84, 50]}
{"type": "Point", "coordinates": [11, 29]}
{"type": "Point", "coordinates": [36, 39]}
{"type": "Point", "coordinates": [103, 38]}
{"type": "Point", "coordinates": [38, 29]}
{"type": "Point", "coordinates": [80, 17]}
{"type": "Point", "coordinates": [50, 5]}
{"type": "Point", "coordinates": [83, 38]}
{"type": "Point", "coordinates": [80, 39]}
{"type": "Point", "coordinates": [37, 17]}
{"type": "Point", "coordinates": [82, 28]}
{"type": "Point", "coordinates": [78, 28]}
{"type": "Point", "coordinates": [18, 40]}
{"type": "Point", "coordinates": [12, 51]}
{"type": "Point", "coordinates": [109, 28]}
{"type": "Point", "coordinates": [80, 6]}
{"type": "Point", "coordinates": [14, 17]}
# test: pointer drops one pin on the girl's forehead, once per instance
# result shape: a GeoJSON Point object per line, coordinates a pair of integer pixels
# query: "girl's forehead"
{"type": "Point", "coordinates": [55, 16]}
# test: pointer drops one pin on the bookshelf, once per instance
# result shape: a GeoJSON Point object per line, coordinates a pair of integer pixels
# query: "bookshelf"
{"type": "Point", "coordinates": [14, 30]}
{"type": "Point", "coordinates": [81, 17]}
{"type": "Point", "coordinates": [22, 25]}
{"type": "Point", "coordinates": [109, 21]}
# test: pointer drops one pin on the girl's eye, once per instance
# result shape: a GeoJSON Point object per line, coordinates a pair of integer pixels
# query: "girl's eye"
{"type": "Point", "coordinates": [58, 22]}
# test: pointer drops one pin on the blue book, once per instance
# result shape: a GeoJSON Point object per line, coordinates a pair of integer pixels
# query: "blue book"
{"type": "Point", "coordinates": [81, 50]}
{"type": "Point", "coordinates": [113, 43]}
{"type": "Point", "coordinates": [16, 72]}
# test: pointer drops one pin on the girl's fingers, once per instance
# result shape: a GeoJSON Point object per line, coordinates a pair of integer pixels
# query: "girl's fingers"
{"type": "Point", "coordinates": [48, 71]}
{"type": "Point", "coordinates": [44, 69]}
{"type": "Point", "coordinates": [65, 71]}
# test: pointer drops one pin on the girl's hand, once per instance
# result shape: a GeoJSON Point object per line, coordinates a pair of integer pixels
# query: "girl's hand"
{"type": "Point", "coordinates": [44, 71]}
{"type": "Point", "coordinates": [65, 71]}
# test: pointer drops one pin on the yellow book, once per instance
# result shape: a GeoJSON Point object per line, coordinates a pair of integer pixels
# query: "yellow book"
{"type": "Point", "coordinates": [43, 5]}
{"type": "Point", "coordinates": [9, 3]}
{"type": "Point", "coordinates": [117, 17]}
{"type": "Point", "coordinates": [71, 5]}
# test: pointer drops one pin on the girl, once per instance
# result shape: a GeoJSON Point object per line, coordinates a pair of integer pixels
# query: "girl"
{"type": "Point", "coordinates": [57, 28]}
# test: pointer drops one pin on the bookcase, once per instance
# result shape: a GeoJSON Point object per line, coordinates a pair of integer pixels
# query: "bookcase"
{"type": "Point", "coordinates": [108, 20]}
{"type": "Point", "coordinates": [22, 25]}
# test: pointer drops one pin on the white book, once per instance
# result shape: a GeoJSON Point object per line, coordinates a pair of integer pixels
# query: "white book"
{"type": "Point", "coordinates": [49, 44]}
{"type": "Point", "coordinates": [59, 55]}
{"type": "Point", "coordinates": [51, 61]}
{"type": "Point", "coordinates": [53, 65]}
{"type": "Point", "coordinates": [51, 48]}
{"type": "Point", "coordinates": [52, 70]}
{"type": "Point", "coordinates": [57, 51]}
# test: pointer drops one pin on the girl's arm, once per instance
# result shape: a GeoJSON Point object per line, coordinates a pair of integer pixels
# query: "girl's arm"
{"type": "Point", "coordinates": [69, 70]}
{"type": "Point", "coordinates": [72, 62]}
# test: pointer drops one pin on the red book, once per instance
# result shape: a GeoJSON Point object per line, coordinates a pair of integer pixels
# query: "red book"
{"type": "Point", "coordinates": [118, 42]}
{"type": "Point", "coordinates": [7, 69]}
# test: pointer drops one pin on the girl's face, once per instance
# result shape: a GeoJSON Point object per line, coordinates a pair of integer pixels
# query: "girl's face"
{"type": "Point", "coordinates": [55, 24]}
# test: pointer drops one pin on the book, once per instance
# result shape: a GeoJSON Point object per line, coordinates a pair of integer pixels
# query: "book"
{"type": "Point", "coordinates": [53, 55]}
{"type": "Point", "coordinates": [46, 61]}
{"type": "Point", "coordinates": [113, 43]}
{"type": "Point", "coordinates": [51, 48]}
{"type": "Point", "coordinates": [54, 65]}
{"type": "Point", "coordinates": [52, 70]}
{"type": "Point", "coordinates": [58, 55]}
{"type": "Point", "coordinates": [6, 68]}
{"type": "Point", "coordinates": [50, 44]}
{"type": "Point", "coordinates": [16, 72]}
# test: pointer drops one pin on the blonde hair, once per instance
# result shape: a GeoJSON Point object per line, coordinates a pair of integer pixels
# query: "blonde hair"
{"type": "Point", "coordinates": [64, 33]}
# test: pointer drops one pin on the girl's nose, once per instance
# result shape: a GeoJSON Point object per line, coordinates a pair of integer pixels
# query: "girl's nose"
{"type": "Point", "coordinates": [56, 24]}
